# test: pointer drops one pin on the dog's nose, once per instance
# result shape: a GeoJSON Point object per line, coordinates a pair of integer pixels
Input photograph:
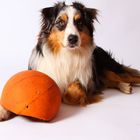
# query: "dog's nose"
{"type": "Point", "coordinates": [73, 39]}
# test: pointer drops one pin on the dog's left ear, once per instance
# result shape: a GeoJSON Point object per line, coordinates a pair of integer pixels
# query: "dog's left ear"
{"type": "Point", "coordinates": [92, 13]}
{"type": "Point", "coordinates": [48, 18]}
{"type": "Point", "coordinates": [46, 12]}
{"type": "Point", "coordinates": [49, 15]}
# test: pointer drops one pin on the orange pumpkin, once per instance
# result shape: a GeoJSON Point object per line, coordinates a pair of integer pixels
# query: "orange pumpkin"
{"type": "Point", "coordinates": [32, 93]}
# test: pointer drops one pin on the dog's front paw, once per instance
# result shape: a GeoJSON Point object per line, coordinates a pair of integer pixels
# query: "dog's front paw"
{"type": "Point", "coordinates": [4, 114]}
{"type": "Point", "coordinates": [125, 88]}
{"type": "Point", "coordinates": [75, 95]}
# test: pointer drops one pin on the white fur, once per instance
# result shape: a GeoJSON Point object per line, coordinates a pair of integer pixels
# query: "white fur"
{"type": "Point", "coordinates": [4, 114]}
{"type": "Point", "coordinates": [67, 66]}
{"type": "Point", "coordinates": [70, 29]}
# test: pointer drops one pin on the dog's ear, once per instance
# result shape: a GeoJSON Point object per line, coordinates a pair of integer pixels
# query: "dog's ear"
{"type": "Point", "coordinates": [46, 12]}
{"type": "Point", "coordinates": [92, 13]}
{"type": "Point", "coordinates": [48, 17]}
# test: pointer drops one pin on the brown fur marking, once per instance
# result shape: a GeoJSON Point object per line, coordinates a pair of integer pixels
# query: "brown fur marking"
{"type": "Point", "coordinates": [76, 94]}
{"type": "Point", "coordinates": [77, 16]}
{"type": "Point", "coordinates": [64, 17]}
{"type": "Point", "coordinates": [54, 40]}
{"type": "Point", "coordinates": [85, 38]}
{"type": "Point", "coordinates": [131, 79]}
{"type": "Point", "coordinates": [127, 77]}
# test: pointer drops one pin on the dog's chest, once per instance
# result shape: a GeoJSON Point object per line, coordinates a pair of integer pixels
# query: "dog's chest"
{"type": "Point", "coordinates": [67, 67]}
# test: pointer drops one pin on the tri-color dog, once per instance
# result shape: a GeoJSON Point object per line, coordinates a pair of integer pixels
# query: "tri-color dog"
{"type": "Point", "coordinates": [66, 51]}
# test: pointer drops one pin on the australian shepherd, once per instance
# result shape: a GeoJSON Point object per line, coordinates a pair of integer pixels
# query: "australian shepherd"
{"type": "Point", "coordinates": [66, 51]}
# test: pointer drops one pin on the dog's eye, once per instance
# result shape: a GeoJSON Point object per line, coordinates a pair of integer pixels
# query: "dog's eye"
{"type": "Point", "coordinates": [79, 24]}
{"type": "Point", "coordinates": [60, 24]}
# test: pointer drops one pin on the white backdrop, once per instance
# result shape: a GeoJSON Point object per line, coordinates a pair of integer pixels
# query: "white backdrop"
{"type": "Point", "coordinates": [117, 117]}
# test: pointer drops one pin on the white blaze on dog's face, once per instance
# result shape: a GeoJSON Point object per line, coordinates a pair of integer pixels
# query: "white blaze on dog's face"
{"type": "Point", "coordinates": [71, 34]}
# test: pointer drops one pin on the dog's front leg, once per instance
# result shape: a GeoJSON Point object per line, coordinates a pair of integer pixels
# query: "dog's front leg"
{"type": "Point", "coordinates": [75, 94]}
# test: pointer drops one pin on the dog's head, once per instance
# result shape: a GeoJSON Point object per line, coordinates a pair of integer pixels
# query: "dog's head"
{"type": "Point", "coordinates": [68, 26]}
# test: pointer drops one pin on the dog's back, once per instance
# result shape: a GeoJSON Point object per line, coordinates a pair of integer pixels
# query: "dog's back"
{"type": "Point", "coordinates": [112, 74]}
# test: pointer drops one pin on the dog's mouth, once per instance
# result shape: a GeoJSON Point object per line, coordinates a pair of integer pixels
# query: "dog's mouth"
{"type": "Point", "coordinates": [72, 46]}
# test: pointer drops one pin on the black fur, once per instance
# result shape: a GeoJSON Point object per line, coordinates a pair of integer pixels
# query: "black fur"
{"type": "Point", "coordinates": [48, 17]}
{"type": "Point", "coordinates": [104, 61]}
{"type": "Point", "coordinates": [39, 49]}
{"type": "Point", "coordinates": [29, 68]}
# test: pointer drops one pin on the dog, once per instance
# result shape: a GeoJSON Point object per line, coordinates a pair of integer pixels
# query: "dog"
{"type": "Point", "coordinates": [66, 51]}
